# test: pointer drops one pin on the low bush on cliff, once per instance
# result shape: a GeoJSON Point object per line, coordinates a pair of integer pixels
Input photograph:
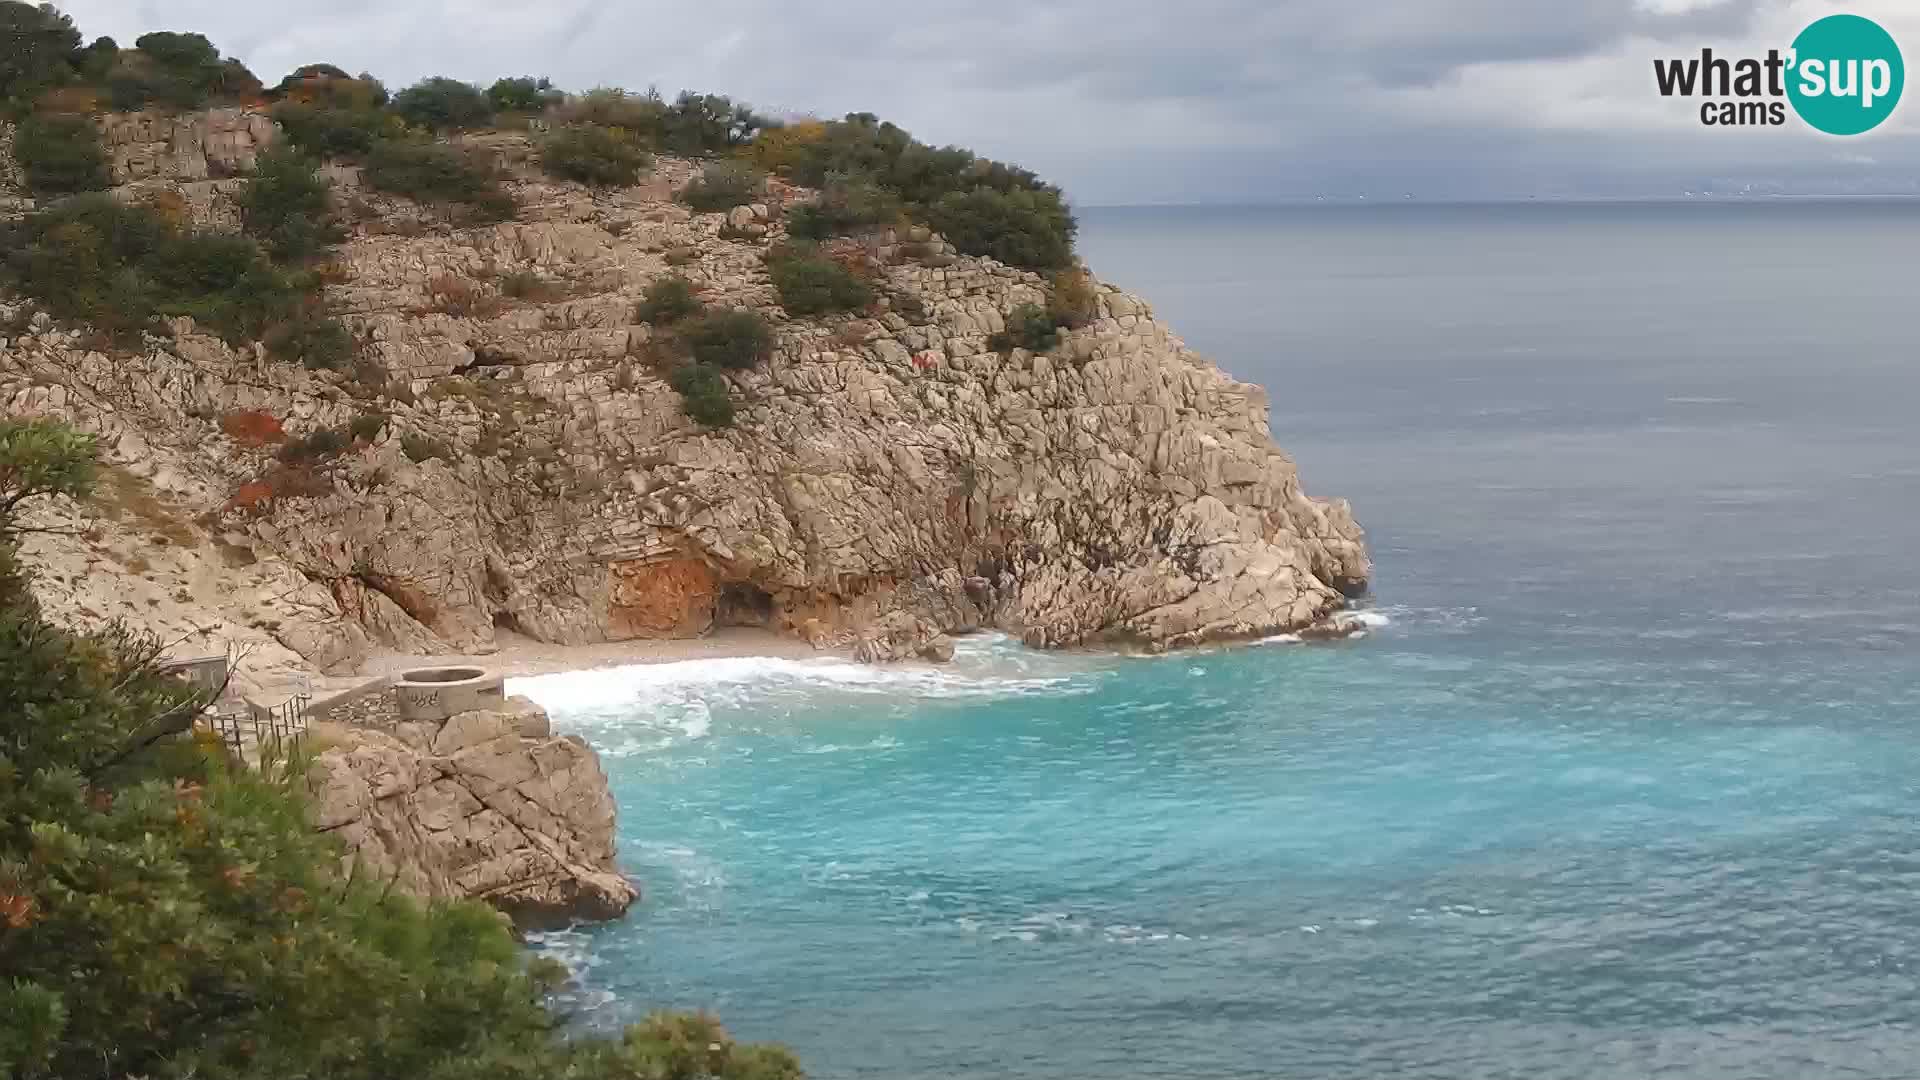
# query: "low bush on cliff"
{"type": "Point", "coordinates": [984, 207]}
{"type": "Point", "coordinates": [1027, 228]}
{"type": "Point", "coordinates": [735, 338]}
{"type": "Point", "coordinates": [524, 94]}
{"type": "Point", "coordinates": [1029, 327]}
{"type": "Point", "coordinates": [60, 154]}
{"type": "Point", "coordinates": [443, 104]}
{"type": "Point", "coordinates": [166, 914]}
{"type": "Point", "coordinates": [667, 300]}
{"type": "Point", "coordinates": [723, 186]}
{"type": "Point", "coordinates": [596, 156]}
{"type": "Point", "coordinates": [703, 394]}
{"type": "Point", "coordinates": [327, 131]}
{"type": "Point", "coordinates": [812, 284]}
{"type": "Point", "coordinates": [847, 204]}
{"type": "Point", "coordinates": [436, 172]}
{"type": "Point", "coordinates": [93, 259]}
{"type": "Point", "coordinates": [285, 206]}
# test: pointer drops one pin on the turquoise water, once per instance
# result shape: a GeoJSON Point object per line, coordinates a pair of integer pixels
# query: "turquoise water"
{"type": "Point", "coordinates": [1622, 783]}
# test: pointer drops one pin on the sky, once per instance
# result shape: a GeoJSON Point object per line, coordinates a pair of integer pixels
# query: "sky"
{"type": "Point", "coordinates": [1154, 101]}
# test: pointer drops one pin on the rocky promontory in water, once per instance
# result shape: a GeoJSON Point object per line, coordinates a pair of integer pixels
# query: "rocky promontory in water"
{"type": "Point", "coordinates": [505, 446]}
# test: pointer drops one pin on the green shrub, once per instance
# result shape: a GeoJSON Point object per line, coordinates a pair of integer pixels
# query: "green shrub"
{"type": "Point", "coordinates": [285, 207]}
{"type": "Point", "coordinates": [703, 394]}
{"type": "Point", "coordinates": [1025, 228]}
{"type": "Point", "coordinates": [723, 186]}
{"type": "Point", "coordinates": [419, 448]}
{"type": "Point", "coordinates": [367, 425]}
{"type": "Point", "coordinates": [320, 444]}
{"type": "Point", "coordinates": [60, 154]}
{"type": "Point", "coordinates": [443, 104]}
{"type": "Point", "coordinates": [698, 124]}
{"type": "Point", "coordinates": [1028, 327]}
{"type": "Point", "coordinates": [93, 259]}
{"type": "Point", "coordinates": [597, 156]}
{"type": "Point", "coordinates": [330, 132]}
{"type": "Point", "coordinates": [312, 338]}
{"type": "Point", "coordinates": [985, 207]}
{"type": "Point", "coordinates": [643, 116]}
{"type": "Point", "coordinates": [435, 172]}
{"type": "Point", "coordinates": [166, 913]}
{"type": "Point", "coordinates": [667, 300]}
{"type": "Point", "coordinates": [816, 285]}
{"type": "Point", "coordinates": [735, 338]}
{"type": "Point", "coordinates": [37, 47]}
{"type": "Point", "coordinates": [846, 204]}
{"type": "Point", "coordinates": [523, 95]}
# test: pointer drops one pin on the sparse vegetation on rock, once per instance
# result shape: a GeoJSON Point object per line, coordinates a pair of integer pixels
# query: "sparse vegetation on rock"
{"type": "Point", "coordinates": [733, 338]}
{"type": "Point", "coordinates": [594, 155]}
{"type": "Point", "coordinates": [668, 300]}
{"type": "Point", "coordinates": [723, 186]}
{"type": "Point", "coordinates": [285, 206]}
{"type": "Point", "coordinates": [703, 393]}
{"type": "Point", "coordinates": [443, 104]}
{"type": "Point", "coordinates": [60, 154]}
{"type": "Point", "coordinates": [437, 173]}
{"type": "Point", "coordinates": [809, 283]}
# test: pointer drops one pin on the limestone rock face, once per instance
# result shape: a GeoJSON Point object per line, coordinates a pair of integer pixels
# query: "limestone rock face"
{"type": "Point", "coordinates": [488, 806]}
{"type": "Point", "coordinates": [185, 147]}
{"type": "Point", "coordinates": [890, 479]}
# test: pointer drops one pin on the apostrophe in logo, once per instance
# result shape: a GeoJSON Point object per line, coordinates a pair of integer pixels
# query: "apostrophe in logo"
{"type": "Point", "coordinates": [1843, 75]}
{"type": "Point", "coordinates": [1847, 75]}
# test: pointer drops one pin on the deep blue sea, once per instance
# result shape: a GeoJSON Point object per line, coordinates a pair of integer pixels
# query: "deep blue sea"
{"type": "Point", "coordinates": [1625, 782]}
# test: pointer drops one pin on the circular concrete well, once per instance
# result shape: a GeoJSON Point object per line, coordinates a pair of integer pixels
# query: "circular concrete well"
{"type": "Point", "coordinates": [438, 693]}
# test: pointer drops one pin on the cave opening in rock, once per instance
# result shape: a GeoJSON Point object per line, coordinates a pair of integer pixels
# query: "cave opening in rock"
{"type": "Point", "coordinates": [743, 604]}
{"type": "Point", "coordinates": [504, 622]}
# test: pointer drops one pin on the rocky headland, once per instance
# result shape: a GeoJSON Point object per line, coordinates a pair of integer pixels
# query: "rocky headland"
{"type": "Point", "coordinates": [521, 463]}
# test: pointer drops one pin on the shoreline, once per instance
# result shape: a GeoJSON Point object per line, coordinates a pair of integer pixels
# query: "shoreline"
{"type": "Point", "coordinates": [519, 657]}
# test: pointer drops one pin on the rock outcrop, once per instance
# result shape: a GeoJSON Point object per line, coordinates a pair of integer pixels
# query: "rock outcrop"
{"type": "Point", "coordinates": [891, 479]}
{"type": "Point", "coordinates": [487, 805]}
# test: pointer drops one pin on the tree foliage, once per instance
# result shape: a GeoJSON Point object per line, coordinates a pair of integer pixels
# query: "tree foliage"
{"type": "Point", "coordinates": [443, 104]}
{"type": "Point", "coordinates": [735, 338]}
{"type": "Point", "coordinates": [38, 47]}
{"type": "Point", "coordinates": [703, 394]}
{"type": "Point", "coordinates": [436, 172]}
{"type": "Point", "coordinates": [812, 284]}
{"type": "Point", "coordinates": [525, 94]}
{"type": "Point", "coordinates": [594, 155]}
{"type": "Point", "coordinates": [93, 259]}
{"type": "Point", "coordinates": [60, 154]}
{"type": "Point", "coordinates": [723, 186]}
{"type": "Point", "coordinates": [667, 300]}
{"type": "Point", "coordinates": [285, 206]}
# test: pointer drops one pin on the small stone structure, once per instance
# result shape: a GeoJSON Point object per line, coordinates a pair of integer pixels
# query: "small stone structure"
{"type": "Point", "coordinates": [433, 694]}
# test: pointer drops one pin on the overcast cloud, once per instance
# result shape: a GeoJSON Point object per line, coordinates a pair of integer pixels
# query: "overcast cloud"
{"type": "Point", "coordinates": [1129, 101]}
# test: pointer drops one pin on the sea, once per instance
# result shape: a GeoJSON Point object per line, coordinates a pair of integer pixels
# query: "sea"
{"type": "Point", "coordinates": [1623, 781]}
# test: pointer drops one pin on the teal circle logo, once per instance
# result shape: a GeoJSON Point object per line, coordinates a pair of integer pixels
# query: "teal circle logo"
{"type": "Point", "coordinates": [1847, 75]}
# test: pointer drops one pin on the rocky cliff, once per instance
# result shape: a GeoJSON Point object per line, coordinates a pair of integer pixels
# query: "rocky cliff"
{"type": "Point", "coordinates": [486, 805]}
{"type": "Point", "coordinates": [521, 462]}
